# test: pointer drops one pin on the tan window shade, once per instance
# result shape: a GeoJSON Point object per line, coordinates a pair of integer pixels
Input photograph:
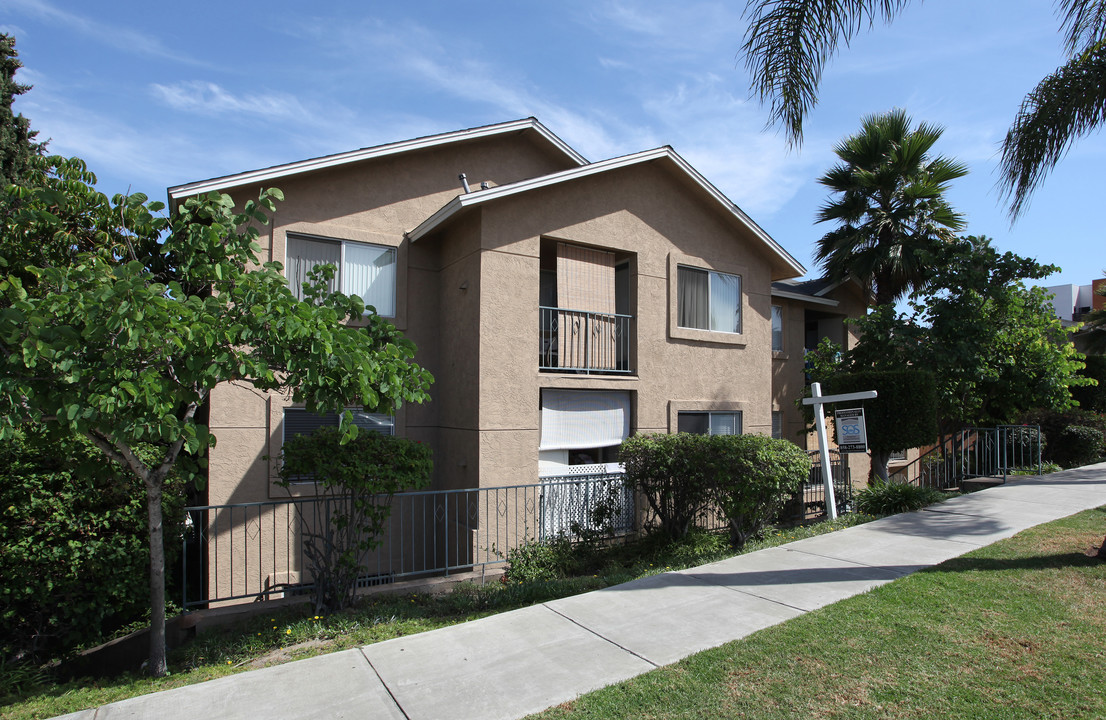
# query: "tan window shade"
{"type": "Point", "coordinates": [585, 292]}
{"type": "Point", "coordinates": [585, 279]}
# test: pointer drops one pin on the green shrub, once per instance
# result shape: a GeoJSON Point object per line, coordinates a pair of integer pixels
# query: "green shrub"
{"type": "Point", "coordinates": [1092, 397]}
{"type": "Point", "coordinates": [755, 476]}
{"type": "Point", "coordinates": [551, 558]}
{"type": "Point", "coordinates": [1053, 422]}
{"type": "Point", "coordinates": [895, 497]}
{"type": "Point", "coordinates": [675, 475]}
{"type": "Point", "coordinates": [74, 557]}
{"type": "Point", "coordinates": [1077, 445]}
{"type": "Point", "coordinates": [354, 481]}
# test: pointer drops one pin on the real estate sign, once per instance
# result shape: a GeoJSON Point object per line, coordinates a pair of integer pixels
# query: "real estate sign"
{"type": "Point", "coordinates": [852, 437]}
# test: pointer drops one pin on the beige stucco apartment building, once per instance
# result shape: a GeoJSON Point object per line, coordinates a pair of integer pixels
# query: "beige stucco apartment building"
{"type": "Point", "coordinates": [560, 304]}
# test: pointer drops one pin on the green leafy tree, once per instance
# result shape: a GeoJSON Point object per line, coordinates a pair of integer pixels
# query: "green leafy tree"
{"type": "Point", "coordinates": [788, 43]}
{"type": "Point", "coordinates": [888, 204]}
{"type": "Point", "coordinates": [123, 341]}
{"type": "Point", "coordinates": [993, 343]}
{"type": "Point", "coordinates": [354, 483]}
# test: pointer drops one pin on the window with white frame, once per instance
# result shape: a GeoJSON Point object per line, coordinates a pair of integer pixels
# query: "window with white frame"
{"type": "Point", "coordinates": [777, 328]}
{"type": "Point", "coordinates": [709, 423]}
{"type": "Point", "coordinates": [897, 456]}
{"type": "Point", "coordinates": [708, 300]}
{"type": "Point", "coordinates": [368, 271]}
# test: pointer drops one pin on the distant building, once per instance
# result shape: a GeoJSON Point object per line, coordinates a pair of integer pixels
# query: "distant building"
{"type": "Point", "coordinates": [1072, 302]}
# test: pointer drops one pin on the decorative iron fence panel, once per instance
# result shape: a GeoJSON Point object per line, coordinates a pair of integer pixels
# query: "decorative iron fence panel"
{"type": "Point", "coordinates": [255, 550]}
{"type": "Point", "coordinates": [976, 453]}
{"type": "Point", "coordinates": [809, 501]}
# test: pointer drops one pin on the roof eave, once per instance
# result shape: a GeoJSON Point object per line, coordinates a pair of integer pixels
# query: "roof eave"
{"type": "Point", "coordinates": [328, 161]}
{"type": "Point", "coordinates": [812, 299]}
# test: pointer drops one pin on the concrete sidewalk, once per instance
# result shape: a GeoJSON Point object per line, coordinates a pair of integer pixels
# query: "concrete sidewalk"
{"type": "Point", "coordinates": [521, 662]}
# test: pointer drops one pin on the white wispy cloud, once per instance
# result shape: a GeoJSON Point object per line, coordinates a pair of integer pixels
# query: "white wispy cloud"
{"type": "Point", "coordinates": [209, 98]}
{"type": "Point", "coordinates": [722, 136]}
{"type": "Point", "coordinates": [119, 37]}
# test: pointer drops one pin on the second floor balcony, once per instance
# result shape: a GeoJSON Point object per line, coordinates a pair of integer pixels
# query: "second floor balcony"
{"type": "Point", "coordinates": [584, 342]}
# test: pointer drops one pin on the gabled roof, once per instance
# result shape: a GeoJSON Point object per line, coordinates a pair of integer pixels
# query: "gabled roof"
{"type": "Point", "coordinates": [803, 290]}
{"type": "Point", "coordinates": [664, 155]}
{"type": "Point", "coordinates": [328, 161]}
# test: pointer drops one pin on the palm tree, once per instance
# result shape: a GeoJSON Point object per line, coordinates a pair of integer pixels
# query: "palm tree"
{"type": "Point", "coordinates": [889, 205]}
{"type": "Point", "coordinates": [789, 42]}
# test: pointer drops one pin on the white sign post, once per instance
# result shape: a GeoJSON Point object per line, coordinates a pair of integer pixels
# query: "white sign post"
{"type": "Point", "coordinates": [818, 401]}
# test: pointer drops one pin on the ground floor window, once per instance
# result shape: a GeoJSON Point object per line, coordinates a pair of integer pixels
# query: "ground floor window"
{"type": "Point", "coordinates": [777, 424]}
{"type": "Point", "coordinates": [298, 421]}
{"type": "Point", "coordinates": [709, 423]}
{"type": "Point", "coordinates": [581, 431]}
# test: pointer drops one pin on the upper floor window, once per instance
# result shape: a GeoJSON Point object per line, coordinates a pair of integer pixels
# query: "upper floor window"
{"type": "Point", "coordinates": [777, 328]}
{"type": "Point", "coordinates": [708, 300]}
{"type": "Point", "coordinates": [709, 423]}
{"type": "Point", "coordinates": [368, 271]}
{"type": "Point", "coordinates": [777, 424]}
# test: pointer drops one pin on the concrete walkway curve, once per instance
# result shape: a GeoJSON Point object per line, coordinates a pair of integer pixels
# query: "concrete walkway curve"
{"type": "Point", "coordinates": [510, 665]}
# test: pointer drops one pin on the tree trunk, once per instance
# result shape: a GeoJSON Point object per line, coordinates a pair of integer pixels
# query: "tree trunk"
{"type": "Point", "coordinates": [879, 465]}
{"type": "Point", "coordinates": [157, 665]}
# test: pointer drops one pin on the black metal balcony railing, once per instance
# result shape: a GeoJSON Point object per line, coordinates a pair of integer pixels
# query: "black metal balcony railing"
{"type": "Point", "coordinates": [580, 341]}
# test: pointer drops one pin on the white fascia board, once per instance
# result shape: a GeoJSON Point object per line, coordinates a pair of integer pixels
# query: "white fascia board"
{"type": "Point", "coordinates": [804, 298]}
{"type": "Point", "coordinates": [328, 161]}
{"type": "Point", "coordinates": [831, 288]}
{"type": "Point", "coordinates": [666, 152]}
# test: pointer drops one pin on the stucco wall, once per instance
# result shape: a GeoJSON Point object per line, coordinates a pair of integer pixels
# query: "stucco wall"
{"type": "Point", "coordinates": [377, 202]}
{"type": "Point", "coordinates": [643, 212]}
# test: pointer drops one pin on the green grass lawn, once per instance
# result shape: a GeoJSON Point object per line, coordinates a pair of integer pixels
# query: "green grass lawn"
{"type": "Point", "coordinates": [1013, 630]}
{"type": "Point", "coordinates": [294, 633]}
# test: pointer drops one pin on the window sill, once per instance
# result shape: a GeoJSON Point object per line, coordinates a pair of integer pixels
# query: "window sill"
{"type": "Point", "coordinates": [710, 336]}
{"type": "Point", "coordinates": [780, 355]}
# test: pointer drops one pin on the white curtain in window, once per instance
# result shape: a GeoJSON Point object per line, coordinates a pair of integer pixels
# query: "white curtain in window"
{"type": "Point", "coordinates": [305, 255]}
{"type": "Point", "coordinates": [725, 303]}
{"type": "Point", "coordinates": [691, 303]}
{"type": "Point", "coordinates": [370, 273]}
{"type": "Point", "coordinates": [575, 419]}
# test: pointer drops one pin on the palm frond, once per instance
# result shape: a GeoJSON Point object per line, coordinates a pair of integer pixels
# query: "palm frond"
{"type": "Point", "coordinates": [1083, 23]}
{"type": "Point", "coordinates": [788, 43]}
{"type": "Point", "coordinates": [1065, 105]}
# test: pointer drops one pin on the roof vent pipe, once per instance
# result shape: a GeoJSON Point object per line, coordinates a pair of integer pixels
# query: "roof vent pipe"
{"type": "Point", "coordinates": [464, 183]}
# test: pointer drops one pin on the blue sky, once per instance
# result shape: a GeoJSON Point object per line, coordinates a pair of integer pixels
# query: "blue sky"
{"type": "Point", "coordinates": [158, 94]}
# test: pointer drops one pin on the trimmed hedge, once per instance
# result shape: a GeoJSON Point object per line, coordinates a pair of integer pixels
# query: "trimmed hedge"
{"type": "Point", "coordinates": [903, 415]}
{"type": "Point", "coordinates": [747, 477]}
